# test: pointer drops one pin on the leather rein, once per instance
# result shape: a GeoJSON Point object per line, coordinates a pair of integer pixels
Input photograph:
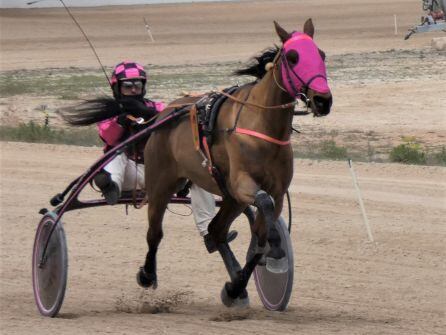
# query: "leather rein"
{"type": "Point", "coordinates": [273, 66]}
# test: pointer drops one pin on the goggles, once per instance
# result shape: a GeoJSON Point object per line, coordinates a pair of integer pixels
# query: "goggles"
{"type": "Point", "coordinates": [128, 85]}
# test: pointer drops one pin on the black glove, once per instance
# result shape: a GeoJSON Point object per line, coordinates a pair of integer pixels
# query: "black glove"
{"type": "Point", "coordinates": [123, 120]}
{"type": "Point", "coordinates": [137, 108]}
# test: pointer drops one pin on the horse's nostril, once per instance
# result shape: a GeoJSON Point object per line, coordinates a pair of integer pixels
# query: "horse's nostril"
{"type": "Point", "coordinates": [322, 104]}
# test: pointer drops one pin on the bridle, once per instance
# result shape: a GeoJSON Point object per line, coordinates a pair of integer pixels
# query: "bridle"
{"type": "Point", "coordinates": [289, 71]}
{"type": "Point", "coordinates": [297, 95]}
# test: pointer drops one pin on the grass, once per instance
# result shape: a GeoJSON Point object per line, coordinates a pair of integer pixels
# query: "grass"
{"type": "Point", "coordinates": [411, 152]}
{"type": "Point", "coordinates": [327, 149]}
{"type": "Point", "coordinates": [166, 82]}
{"type": "Point", "coordinates": [35, 133]}
{"type": "Point", "coordinates": [64, 84]}
{"type": "Point", "coordinates": [439, 158]}
{"type": "Point", "coordinates": [406, 153]}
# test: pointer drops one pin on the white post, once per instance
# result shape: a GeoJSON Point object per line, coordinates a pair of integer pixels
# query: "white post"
{"type": "Point", "coordinates": [361, 203]}
{"type": "Point", "coordinates": [148, 30]}
{"type": "Point", "coordinates": [395, 24]}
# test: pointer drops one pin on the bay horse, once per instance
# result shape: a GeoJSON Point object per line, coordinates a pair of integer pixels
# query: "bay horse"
{"type": "Point", "coordinates": [252, 151]}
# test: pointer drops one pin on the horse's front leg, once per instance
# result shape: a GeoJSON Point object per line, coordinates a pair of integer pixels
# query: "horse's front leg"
{"type": "Point", "coordinates": [268, 212]}
{"type": "Point", "coordinates": [263, 230]}
{"type": "Point", "coordinates": [146, 276]}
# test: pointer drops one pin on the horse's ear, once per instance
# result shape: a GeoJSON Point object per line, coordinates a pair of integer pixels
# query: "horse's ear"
{"type": "Point", "coordinates": [309, 28]}
{"type": "Point", "coordinates": [284, 36]}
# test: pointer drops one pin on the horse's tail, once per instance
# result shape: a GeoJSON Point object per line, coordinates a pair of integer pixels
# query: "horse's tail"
{"type": "Point", "coordinates": [91, 111]}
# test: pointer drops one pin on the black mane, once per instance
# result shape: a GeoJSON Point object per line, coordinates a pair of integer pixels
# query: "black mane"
{"type": "Point", "coordinates": [256, 66]}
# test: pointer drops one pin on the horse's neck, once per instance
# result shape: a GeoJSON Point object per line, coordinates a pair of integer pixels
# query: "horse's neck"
{"type": "Point", "coordinates": [277, 122]}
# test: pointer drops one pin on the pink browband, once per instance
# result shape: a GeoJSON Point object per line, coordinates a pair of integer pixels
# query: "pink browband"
{"type": "Point", "coordinates": [261, 136]}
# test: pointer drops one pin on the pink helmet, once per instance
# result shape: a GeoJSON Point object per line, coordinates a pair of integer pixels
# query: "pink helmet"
{"type": "Point", "coordinates": [127, 70]}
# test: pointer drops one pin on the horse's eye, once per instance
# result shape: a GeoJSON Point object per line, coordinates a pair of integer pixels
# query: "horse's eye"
{"type": "Point", "coordinates": [322, 54]}
{"type": "Point", "coordinates": [293, 57]}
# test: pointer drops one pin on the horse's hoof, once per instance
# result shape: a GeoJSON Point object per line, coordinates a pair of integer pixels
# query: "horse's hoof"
{"type": "Point", "coordinates": [145, 279]}
{"type": "Point", "coordinates": [277, 265]}
{"type": "Point", "coordinates": [241, 301]}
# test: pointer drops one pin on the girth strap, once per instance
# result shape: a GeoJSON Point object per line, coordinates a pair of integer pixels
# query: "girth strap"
{"type": "Point", "coordinates": [261, 136]}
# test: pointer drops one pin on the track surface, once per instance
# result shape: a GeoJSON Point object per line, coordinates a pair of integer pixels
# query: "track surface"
{"type": "Point", "coordinates": [343, 284]}
{"type": "Point", "coordinates": [384, 88]}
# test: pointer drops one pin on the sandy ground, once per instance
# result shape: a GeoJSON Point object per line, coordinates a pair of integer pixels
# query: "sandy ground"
{"type": "Point", "coordinates": [343, 284]}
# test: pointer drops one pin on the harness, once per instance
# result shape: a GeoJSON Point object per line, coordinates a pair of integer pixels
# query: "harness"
{"type": "Point", "coordinates": [204, 113]}
{"type": "Point", "coordinates": [207, 110]}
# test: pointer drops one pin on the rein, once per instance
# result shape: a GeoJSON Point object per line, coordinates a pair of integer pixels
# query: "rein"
{"type": "Point", "coordinates": [254, 133]}
{"type": "Point", "coordinates": [252, 104]}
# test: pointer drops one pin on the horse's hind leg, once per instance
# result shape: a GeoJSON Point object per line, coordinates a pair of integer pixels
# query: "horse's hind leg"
{"type": "Point", "coordinates": [218, 229]}
{"type": "Point", "coordinates": [158, 199]}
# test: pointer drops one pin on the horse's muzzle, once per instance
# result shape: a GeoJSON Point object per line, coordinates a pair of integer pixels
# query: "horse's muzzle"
{"type": "Point", "coordinates": [321, 104]}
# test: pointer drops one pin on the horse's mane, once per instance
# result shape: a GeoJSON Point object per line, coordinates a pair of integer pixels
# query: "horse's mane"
{"type": "Point", "coordinates": [256, 65]}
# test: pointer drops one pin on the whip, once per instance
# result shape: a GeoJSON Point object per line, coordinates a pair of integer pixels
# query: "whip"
{"type": "Point", "coordinates": [83, 33]}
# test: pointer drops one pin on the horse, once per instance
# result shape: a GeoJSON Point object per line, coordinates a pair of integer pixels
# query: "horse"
{"type": "Point", "coordinates": [251, 152]}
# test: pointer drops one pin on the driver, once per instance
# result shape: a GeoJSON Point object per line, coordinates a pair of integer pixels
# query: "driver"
{"type": "Point", "coordinates": [126, 171]}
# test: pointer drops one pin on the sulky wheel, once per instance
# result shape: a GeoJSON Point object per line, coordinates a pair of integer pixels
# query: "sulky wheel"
{"type": "Point", "coordinates": [50, 272]}
{"type": "Point", "coordinates": [275, 288]}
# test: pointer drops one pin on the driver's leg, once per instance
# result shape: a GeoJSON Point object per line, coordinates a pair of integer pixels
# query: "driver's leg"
{"type": "Point", "coordinates": [133, 176]}
{"type": "Point", "coordinates": [203, 208]}
{"type": "Point", "coordinates": [110, 179]}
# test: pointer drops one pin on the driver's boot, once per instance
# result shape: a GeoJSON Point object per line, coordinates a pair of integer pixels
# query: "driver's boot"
{"type": "Point", "coordinates": [109, 189]}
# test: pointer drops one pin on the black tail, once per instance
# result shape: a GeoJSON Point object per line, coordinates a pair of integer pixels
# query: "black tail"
{"type": "Point", "coordinates": [91, 111]}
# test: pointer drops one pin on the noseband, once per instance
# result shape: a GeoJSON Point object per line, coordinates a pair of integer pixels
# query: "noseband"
{"type": "Point", "coordinates": [289, 70]}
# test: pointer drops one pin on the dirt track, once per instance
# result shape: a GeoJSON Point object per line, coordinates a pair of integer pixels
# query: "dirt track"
{"type": "Point", "coordinates": [343, 284]}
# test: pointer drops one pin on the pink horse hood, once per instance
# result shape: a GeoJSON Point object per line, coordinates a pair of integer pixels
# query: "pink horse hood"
{"type": "Point", "coordinates": [110, 130]}
{"type": "Point", "coordinates": [310, 66]}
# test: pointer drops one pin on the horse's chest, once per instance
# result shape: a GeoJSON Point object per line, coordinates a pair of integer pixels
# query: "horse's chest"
{"type": "Point", "coordinates": [267, 164]}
